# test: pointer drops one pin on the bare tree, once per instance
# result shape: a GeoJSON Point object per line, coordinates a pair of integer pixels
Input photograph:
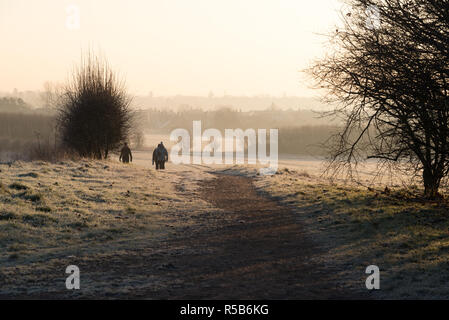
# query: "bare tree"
{"type": "Point", "coordinates": [94, 116]}
{"type": "Point", "coordinates": [51, 95]}
{"type": "Point", "coordinates": [390, 80]}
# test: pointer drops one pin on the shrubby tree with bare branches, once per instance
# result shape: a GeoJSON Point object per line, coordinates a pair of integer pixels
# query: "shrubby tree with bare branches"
{"type": "Point", "coordinates": [94, 116]}
{"type": "Point", "coordinates": [390, 80]}
{"type": "Point", "coordinates": [51, 95]}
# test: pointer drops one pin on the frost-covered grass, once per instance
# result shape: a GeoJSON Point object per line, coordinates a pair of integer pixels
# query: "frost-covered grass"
{"type": "Point", "coordinates": [86, 208]}
{"type": "Point", "coordinates": [46, 206]}
{"type": "Point", "coordinates": [406, 237]}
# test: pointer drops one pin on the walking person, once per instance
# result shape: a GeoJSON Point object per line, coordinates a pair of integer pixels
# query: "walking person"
{"type": "Point", "coordinates": [160, 156]}
{"type": "Point", "coordinates": [125, 154]}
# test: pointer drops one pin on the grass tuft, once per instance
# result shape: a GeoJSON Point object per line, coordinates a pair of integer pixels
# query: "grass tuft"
{"type": "Point", "coordinates": [7, 216]}
{"type": "Point", "coordinates": [44, 209]}
{"type": "Point", "coordinates": [38, 220]}
{"type": "Point", "coordinates": [31, 196]}
{"type": "Point", "coordinates": [30, 174]}
{"type": "Point", "coordinates": [18, 186]}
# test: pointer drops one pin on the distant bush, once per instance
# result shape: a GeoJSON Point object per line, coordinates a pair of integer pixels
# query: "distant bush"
{"type": "Point", "coordinates": [94, 117]}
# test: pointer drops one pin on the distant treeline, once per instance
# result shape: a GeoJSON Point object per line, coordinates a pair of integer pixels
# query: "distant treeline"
{"type": "Point", "coordinates": [18, 132]}
{"type": "Point", "coordinates": [300, 132]}
{"type": "Point", "coordinates": [306, 140]}
{"type": "Point", "coordinates": [164, 121]}
{"type": "Point", "coordinates": [214, 102]}
{"type": "Point", "coordinates": [11, 104]}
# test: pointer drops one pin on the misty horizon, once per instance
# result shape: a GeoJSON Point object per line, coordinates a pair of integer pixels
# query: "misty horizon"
{"type": "Point", "coordinates": [210, 101]}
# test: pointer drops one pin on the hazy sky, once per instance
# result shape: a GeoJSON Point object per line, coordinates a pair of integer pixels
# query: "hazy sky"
{"type": "Point", "coordinates": [238, 47]}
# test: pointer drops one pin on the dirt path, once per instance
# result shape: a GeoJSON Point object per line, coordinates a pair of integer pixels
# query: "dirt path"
{"type": "Point", "coordinates": [258, 252]}
{"type": "Point", "coordinates": [252, 249]}
{"type": "Point", "coordinates": [262, 254]}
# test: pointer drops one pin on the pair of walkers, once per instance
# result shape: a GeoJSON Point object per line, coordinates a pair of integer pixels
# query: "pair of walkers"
{"type": "Point", "coordinates": [160, 155]}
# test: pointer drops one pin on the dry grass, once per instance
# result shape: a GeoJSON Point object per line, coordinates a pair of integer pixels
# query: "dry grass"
{"type": "Point", "coordinates": [50, 211]}
{"type": "Point", "coordinates": [91, 213]}
{"type": "Point", "coordinates": [47, 207]}
{"type": "Point", "coordinates": [408, 239]}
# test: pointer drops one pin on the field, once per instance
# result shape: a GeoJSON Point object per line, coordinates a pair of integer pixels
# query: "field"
{"type": "Point", "coordinates": [356, 227]}
{"type": "Point", "coordinates": [196, 231]}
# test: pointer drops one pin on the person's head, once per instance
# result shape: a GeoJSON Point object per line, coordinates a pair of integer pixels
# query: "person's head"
{"type": "Point", "coordinates": [162, 143]}
{"type": "Point", "coordinates": [126, 144]}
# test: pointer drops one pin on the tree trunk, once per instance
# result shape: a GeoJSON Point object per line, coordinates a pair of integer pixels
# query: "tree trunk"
{"type": "Point", "coordinates": [431, 184]}
{"type": "Point", "coordinates": [99, 155]}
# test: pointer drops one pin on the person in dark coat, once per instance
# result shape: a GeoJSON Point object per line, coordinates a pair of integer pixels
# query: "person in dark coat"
{"type": "Point", "coordinates": [160, 156]}
{"type": "Point", "coordinates": [156, 155]}
{"type": "Point", "coordinates": [125, 154]}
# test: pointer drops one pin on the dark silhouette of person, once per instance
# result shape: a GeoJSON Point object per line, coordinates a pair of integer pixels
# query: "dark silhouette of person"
{"type": "Point", "coordinates": [160, 156]}
{"type": "Point", "coordinates": [125, 154]}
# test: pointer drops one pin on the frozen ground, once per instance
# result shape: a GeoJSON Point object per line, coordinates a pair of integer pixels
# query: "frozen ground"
{"type": "Point", "coordinates": [196, 231]}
